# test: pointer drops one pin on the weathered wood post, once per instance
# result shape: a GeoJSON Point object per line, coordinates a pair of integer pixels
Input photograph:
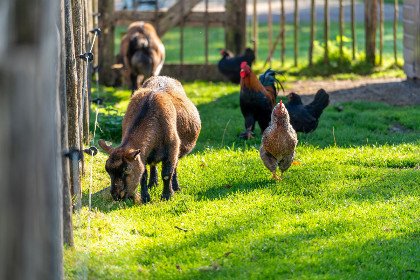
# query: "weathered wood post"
{"type": "Point", "coordinates": [235, 31]}
{"type": "Point", "coordinates": [106, 41]}
{"type": "Point", "coordinates": [255, 28]}
{"type": "Point", "coordinates": [283, 32]}
{"type": "Point", "coordinates": [296, 21]}
{"type": "Point", "coordinates": [395, 31]}
{"type": "Point", "coordinates": [411, 41]}
{"type": "Point", "coordinates": [381, 30]}
{"type": "Point", "coordinates": [326, 31]}
{"type": "Point", "coordinates": [371, 12]}
{"type": "Point", "coordinates": [68, 238]}
{"type": "Point", "coordinates": [30, 162]}
{"type": "Point", "coordinates": [341, 12]}
{"type": "Point", "coordinates": [353, 29]}
{"type": "Point", "coordinates": [71, 88]}
{"type": "Point", "coordinates": [312, 35]}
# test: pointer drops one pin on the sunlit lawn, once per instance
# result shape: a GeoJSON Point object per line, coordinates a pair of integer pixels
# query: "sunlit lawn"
{"type": "Point", "coordinates": [349, 210]}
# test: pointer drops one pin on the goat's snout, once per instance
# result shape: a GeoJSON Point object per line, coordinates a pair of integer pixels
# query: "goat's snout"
{"type": "Point", "coordinates": [118, 194]}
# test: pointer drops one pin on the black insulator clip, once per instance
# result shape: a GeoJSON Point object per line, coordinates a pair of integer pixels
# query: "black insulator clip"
{"type": "Point", "coordinates": [97, 101]}
{"type": "Point", "coordinates": [96, 68]}
{"type": "Point", "coordinates": [88, 57]}
{"type": "Point", "coordinates": [91, 151]}
{"type": "Point", "coordinates": [74, 152]}
{"type": "Point", "coordinates": [96, 31]}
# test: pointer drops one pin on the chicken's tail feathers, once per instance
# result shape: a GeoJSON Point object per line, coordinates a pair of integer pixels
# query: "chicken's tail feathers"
{"type": "Point", "coordinates": [249, 56]}
{"type": "Point", "coordinates": [269, 79]}
{"type": "Point", "coordinates": [321, 101]}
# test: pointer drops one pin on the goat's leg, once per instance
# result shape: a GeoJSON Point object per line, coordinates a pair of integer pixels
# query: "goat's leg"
{"type": "Point", "coordinates": [145, 196]}
{"type": "Point", "coordinates": [175, 185]}
{"type": "Point", "coordinates": [168, 168]}
{"type": "Point", "coordinates": [133, 80]}
{"type": "Point", "coordinates": [153, 181]}
{"type": "Point", "coordinates": [167, 172]}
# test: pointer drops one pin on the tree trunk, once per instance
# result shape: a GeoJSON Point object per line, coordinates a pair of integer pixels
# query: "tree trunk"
{"type": "Point", "coordinates": [235, 32]}
{"type": "Point", "coordinates": [371, 18]}
{"type": "Point", "coordinates": [30, 162]}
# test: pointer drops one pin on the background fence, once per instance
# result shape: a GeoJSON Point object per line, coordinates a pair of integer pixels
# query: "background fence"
{"type": "Point", "coordinates": [284, 28]}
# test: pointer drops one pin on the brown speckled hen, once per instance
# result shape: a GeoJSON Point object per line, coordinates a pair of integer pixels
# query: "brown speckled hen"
{"type": "Point", "coordinates": [278, 142]}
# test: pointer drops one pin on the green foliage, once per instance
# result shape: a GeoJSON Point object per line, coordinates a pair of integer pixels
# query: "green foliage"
{"type": "Point", "coordinates": [347, 210]}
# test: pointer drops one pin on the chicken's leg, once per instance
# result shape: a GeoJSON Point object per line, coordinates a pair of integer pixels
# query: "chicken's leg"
{"type": "Point", "coordinates": [270, 162]}
{"type": "Point", "coordinates": [249, 126]}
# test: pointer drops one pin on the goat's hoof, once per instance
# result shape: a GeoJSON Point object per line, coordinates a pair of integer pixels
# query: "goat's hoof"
{"type": "Point", "coordinates": [145, 198]}
{"type": "Point", "coordinates": [166, 196]}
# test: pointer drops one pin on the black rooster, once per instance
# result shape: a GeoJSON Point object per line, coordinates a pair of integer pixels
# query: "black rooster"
{"type": "Point", "coordinates": [230, 65]}
{"type": "Point", "coordinates": [304, 118]}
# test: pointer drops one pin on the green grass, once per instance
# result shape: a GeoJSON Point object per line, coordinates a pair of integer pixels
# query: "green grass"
{"type": "Point", "coordinates": [194, 50]}
{"type": "Point", "coordinates": [349, 210]}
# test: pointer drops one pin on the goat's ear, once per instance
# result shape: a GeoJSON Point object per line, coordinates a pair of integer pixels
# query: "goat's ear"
{"type": "Point", "coordinates": [104, 146]}
{"type": "Point", "coordinates": [132, 154]}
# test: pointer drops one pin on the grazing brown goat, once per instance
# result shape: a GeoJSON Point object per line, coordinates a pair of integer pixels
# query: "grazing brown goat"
{"type": "Point", "coordinates": [161, 125]}
{"type": "Point", "coordinates": [141, 53]}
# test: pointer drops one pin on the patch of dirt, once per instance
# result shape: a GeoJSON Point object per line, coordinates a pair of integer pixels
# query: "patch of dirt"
{"type": "Point", "coordinates": [393, 91]}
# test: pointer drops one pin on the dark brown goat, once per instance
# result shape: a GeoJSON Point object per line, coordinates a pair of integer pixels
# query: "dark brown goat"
{"type": "Point", "coordinates": [141, 53]}
{"type": "Point", "coordinates": [161, 125]}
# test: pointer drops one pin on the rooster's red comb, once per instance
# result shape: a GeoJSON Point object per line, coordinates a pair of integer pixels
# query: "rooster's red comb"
{"type": "Point", "coordinates": [281, 103]}
{"type": "Point", "coordinates": [243, 64]}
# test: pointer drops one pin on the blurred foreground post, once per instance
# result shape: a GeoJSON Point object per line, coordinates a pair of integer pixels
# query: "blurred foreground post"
{"type": "Point", "coordinates": [30, 162]}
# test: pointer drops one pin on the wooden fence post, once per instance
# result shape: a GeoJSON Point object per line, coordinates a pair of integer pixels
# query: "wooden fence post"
{"type": "Point", "coordinates": [326, 31]}
{"type": "Point", "coordinates": [106, 41]}
{"type": "Point", "coordinates": [395, 31]}
{"type": "Point", "coordinates": [71, 88]}
{"type": "Point", "coordinates": [296, 32]}
{"type": "Point", "coordinates": [235, 31]}
{"type": "Point", "coordinates": [206, 35]}
{"type": "Point", "coordinates": [381, 30]}
{"type": "Point", "coordinates": [270, 28]}
{"type": "Point", "coordinates": [283, 32]}
{"type": "Point", "coordinates": [371, 12]}
{"type": "Point", "coordinates": [255, 28]}
{"type": "Point", "coordinates": [341, 29]}
{"type": "Point", "coordinates": [30, 162]}
{"type": "Point", "coordinates": [68, 238]}
{"type": "Point", "coordinates": [353, 30]}
{"type": "Point", "coordinates": [312, 36]}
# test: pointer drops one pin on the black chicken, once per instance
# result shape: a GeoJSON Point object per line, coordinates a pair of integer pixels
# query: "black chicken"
{"type": "Point", "coordinates": [304, 118]}
{"type": "Point", "coordinates": [230, 65]}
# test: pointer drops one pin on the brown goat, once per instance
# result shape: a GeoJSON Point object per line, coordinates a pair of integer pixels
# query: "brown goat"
{"type": "Point", "coordinates": [161, 125]}
{"type": "Point", "coordinates": [142, 53]}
